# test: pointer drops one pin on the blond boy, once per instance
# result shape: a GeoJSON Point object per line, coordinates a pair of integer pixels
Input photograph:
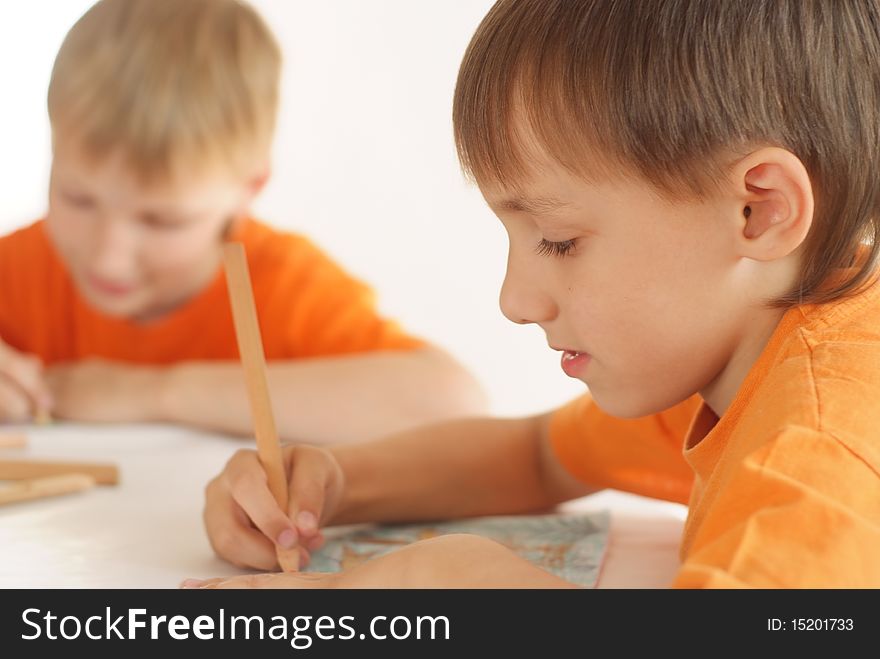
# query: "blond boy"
{"type": "Point", "coordinates": [113, 308]}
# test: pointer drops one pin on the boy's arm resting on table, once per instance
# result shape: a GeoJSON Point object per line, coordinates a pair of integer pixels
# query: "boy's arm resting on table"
{"type": "Point", "coordinates": [329, 399]}
{"type": "Point", "coordinates": [320, 400]}
{"type": "Point", "coordinates": [784, 520]}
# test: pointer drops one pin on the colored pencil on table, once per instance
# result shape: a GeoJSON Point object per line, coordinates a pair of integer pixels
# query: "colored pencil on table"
{"type": "Point", "coordinates": [103, 474]}
{"type": "Point", "coordinates": [48, 486]}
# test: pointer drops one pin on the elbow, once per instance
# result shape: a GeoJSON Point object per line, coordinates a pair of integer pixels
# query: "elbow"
{"type": "Point", "coordinates": [452, 393]}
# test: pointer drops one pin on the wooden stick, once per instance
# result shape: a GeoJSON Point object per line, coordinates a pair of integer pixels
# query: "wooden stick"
{"type": "Point", "coordinates": [250, 348]}
{"type": "Point", "coordinates": [50, 486]}
{"type": "Point", "coordinates": [105, 474]}
{"type": "Point", "coordinates": [13, 440]}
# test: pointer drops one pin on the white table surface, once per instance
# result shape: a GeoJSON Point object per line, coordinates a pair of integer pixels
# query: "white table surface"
{"type": "Point", "coordinates": [147, 531]}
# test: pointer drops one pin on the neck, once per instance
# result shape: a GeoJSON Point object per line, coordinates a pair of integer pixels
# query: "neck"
{"type": "Point", "coordinates": [719, 393]}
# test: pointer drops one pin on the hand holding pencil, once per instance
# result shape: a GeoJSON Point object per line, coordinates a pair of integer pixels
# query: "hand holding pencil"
{"type": "Point", "coordinates": [24, 393]}
{"type": "Point", "coordinates": [245, 524]}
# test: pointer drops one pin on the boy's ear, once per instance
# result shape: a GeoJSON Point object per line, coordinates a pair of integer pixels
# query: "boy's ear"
{"type": "Point", "coordinates": [258, 181]}
{"type": "Point", "coordinates": [252, 187]}
{"type": "Point", "coordinates": [775, 204]}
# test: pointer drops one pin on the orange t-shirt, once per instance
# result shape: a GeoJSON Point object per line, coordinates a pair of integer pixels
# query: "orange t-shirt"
{"type": "Point", "coordinates": [307, 307]}
{"type": "Point", "coordinates": [784, 489]}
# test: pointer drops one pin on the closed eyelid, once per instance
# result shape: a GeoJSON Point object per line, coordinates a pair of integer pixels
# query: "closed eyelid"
{"type": "Point", "coordinates": [77, 197]}
{"type": "Point", "coordinates": [549, 248]}
{"type": "Point", "coordinates": [163, 221]}
{"type": "Point", "coordinates": [73, 191]}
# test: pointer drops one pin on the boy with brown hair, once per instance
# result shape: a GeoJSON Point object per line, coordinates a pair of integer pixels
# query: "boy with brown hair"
{"type": "Point", "coordinates": [114, 307]}
{"type": "Point", "coordinates": [690, 191]}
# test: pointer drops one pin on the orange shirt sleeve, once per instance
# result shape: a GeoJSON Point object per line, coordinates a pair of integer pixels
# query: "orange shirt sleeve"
{"type": "Point", "coordinates": [314, 308]}
{"type": "Point", "coordinates": [800, 512]}
{"type": "Point", "coordinates": [642, 456]}
{"type": "Point", "coordinates": [31, 282]}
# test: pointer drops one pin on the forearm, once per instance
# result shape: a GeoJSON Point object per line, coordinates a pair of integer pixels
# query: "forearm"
{"type": "Point", "coordinates": [326, 400]}
{"type": "Point", "coordinates": [463, 468]}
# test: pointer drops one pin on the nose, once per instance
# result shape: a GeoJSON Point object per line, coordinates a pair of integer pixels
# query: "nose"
{"type": "Point", "coordinates": [114, 246]}
{"type": "Point", "coordinates": [523, 300]}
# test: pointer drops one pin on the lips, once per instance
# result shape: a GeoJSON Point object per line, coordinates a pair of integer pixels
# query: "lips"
{"type": "Point", "coordinates": [574, 363]}
{"type": "Point", "coordinates": [111, 288]}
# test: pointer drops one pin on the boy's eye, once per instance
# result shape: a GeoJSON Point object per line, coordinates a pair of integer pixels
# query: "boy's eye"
{"type": "Point", "coordinates": [549, 248]}
{"type": "Point", "coordinates": [79, 200]}
{"type": "Point", "coordinates": [158, 222]}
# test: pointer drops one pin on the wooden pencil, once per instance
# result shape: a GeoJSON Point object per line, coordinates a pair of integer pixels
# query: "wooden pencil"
{"type": "Point", "coordinates": [104, 474]}
{"type": "Point", "coordinates": [253, 359]}
{"type": "Point", "coordinates": [49, 486]}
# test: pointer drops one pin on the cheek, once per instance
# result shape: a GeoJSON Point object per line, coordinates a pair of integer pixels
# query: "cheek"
{"type": "Point", "coordinates": [642, 295]}
{"type": "Point", "coordinates": [675, 283]}
{"type": "Point", "coordinates": [638, 318]}
{"type": "Point", "coordinates": [672, 338]}
{"type": "Point", "coordinates": [68, 231]}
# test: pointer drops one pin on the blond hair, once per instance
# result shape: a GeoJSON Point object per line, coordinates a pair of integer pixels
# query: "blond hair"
{"type": "Point", "coordinates": [669, 89]}
{"type": "Point", "coordinates": [173, 85]}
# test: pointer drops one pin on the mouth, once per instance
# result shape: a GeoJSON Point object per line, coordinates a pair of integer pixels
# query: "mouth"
{"type": "Point", "coordinates": [574, 362]}
{"type": "Point", "coordinates": [109, 287]}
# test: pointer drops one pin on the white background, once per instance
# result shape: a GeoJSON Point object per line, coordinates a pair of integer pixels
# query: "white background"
{"type": "Point", "coordinates": [364, 164]}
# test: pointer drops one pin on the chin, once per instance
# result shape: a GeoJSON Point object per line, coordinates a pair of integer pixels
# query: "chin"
{"type": "Point", "coordinates": [126, 308]}
{"type": "Point", "coordinates": [629, 405]}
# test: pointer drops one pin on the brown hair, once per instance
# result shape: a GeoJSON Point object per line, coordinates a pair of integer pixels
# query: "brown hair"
{"type": "Point", "coordinates": [176, 85]}
{"type": "Point", "coordinates": [668, 89]}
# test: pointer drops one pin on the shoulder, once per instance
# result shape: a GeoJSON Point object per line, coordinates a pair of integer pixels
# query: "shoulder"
{"type": "Point", "coordinates": [827, 377]}
{"type": "Point", "coordinates": [30, 239]}
{"type": "Point", "coordinates": [33, 286]}
{"type": "Point", "coordinates": [28, 253]}
{"type": "Point", "coordinates": [840, 355]}
{"type": "Point", "coordinates": [285, 258]}
{"type": "Point", "coordinates": [266, 243]}
{"type": "Point", "coordinates": [288, 269]}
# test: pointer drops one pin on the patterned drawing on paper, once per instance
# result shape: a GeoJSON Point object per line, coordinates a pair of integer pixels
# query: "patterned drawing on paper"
{"type": "Point", "coordinates": [568, 545]}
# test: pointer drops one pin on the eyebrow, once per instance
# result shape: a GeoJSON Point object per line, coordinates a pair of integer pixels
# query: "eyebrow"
{"type": "Point", "coordinates": [533, 205]}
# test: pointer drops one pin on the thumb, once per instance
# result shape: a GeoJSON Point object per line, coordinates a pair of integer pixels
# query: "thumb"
{"type": "Point", "coordinates": [310, 474]}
